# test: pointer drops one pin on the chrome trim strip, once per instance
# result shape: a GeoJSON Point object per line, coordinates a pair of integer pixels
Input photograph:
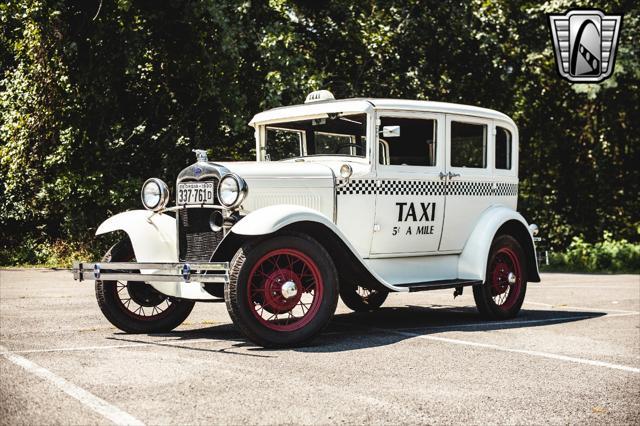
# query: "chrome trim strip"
{"type": "Point", "coordinates": [171, 272]}
{"type": "Point", "coordinates": [88, 275]}
{"type": "Point", "coordinates": [199, 266]}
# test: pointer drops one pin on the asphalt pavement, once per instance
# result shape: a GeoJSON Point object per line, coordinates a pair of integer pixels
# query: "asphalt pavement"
{"type": "Point", "coordinates": [571, 356]}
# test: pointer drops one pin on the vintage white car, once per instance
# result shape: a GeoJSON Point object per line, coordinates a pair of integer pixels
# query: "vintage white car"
{"type": "Point", "coordinates": [354, 197]}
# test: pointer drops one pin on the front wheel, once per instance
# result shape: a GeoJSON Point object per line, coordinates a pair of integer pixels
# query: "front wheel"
{"type": "Point", "coordinates": [134, 306]}
{"type": "Point", "coordinates": [502, 294]}
{"type": "Point", "coordinates": [282, 291]}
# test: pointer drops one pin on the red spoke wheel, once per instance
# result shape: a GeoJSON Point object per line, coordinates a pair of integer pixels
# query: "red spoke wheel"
{"type": "Point", "coordinates": [135, 306]}
{"type": "Point", "coordinates": [362, 299]}
{"type": "Point", "coordinates": [502, 295]}
{"type": "Point", "coordinates": [282, 291]}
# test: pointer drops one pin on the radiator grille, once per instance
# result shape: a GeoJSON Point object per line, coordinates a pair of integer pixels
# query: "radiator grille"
{"type": "Point", "coordinates": [196, 240]}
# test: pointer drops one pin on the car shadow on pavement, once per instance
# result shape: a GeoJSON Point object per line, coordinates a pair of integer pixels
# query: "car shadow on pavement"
{"type": "Point", "coordinates": [386, 326]}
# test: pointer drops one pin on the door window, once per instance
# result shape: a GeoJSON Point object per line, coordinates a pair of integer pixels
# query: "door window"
{"type": "Point", "coordinates": [468, 145]}
{"type": "Point", "coordinates": [416, 145]}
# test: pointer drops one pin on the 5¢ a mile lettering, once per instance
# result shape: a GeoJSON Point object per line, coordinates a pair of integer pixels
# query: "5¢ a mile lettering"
{"type": "Point", "coordinates": [407, 212]}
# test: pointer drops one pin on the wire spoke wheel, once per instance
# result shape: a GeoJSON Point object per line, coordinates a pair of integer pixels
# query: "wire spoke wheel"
{"type": "Point", "coordinates": [502, 294]}
{"type": "Point", "coordinates": [135, 306]}
{"type": "Point", "coordinates": [141, 301]}
{"type": "Point", "coordinates": [285, 289]}
{"type": "Point", "coordinates": [506, 278]}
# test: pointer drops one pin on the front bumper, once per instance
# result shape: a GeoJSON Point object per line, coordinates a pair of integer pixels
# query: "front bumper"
{"type": "Point", "coordinates": [204, 272]}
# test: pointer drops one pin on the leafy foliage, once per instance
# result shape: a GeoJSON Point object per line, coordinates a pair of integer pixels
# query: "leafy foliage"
{"type": "Point", "coordinates": [91, 107]}
{"type": "Point", "coordinates": [606, 255]}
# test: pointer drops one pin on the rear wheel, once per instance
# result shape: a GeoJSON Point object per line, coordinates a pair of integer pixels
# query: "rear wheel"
{"type": "Point", "coordinates": [502, 294]}
{"type": "Point", "coordinates": [362, 299]}
{"type": "Point", "coordinates": [134, 306]}
{"type": "Point", "coordinates": [282, 291]}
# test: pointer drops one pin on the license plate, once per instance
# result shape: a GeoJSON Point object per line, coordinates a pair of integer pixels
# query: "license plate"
{"type": "Point", "coordinates": [195, 193]}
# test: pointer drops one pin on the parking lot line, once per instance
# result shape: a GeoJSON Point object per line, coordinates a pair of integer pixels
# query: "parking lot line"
{"type": "Point", "coordinates": [581, 287]}
{"type": "Point", "coordinates": [89, 400]}
{"type": "Point", "coordinates": [581, 308]}
{"type": "Point", "coordinates": [539, 354]}
{"type": "Point", "coordinates": [103, 347]}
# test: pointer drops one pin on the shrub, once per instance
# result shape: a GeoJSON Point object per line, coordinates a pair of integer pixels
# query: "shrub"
{"type": "Point", "coordinates": [608, 255]}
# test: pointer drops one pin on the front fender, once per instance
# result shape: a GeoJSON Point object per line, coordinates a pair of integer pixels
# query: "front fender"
{"type": "Point", "coordinates": [273, 218]}
{"type": "Point", "coordinates": [474, 257]}
{"type": "Point", "coordinates": [268, 220]}
{"type": "Point", "coordinates": [153, 236]}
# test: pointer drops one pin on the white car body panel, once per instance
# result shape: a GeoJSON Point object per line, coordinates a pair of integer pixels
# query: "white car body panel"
{"type": "Point", "coordinates": [289, 183]}
{"type": "Point", "coordinates": [473, 259]}
{"type": "Point", "coordinates": [273, 218]}
{"type": "Point", "coordinates": [153, 237]}
{"type": "Point", "coordinates": [416, 269]}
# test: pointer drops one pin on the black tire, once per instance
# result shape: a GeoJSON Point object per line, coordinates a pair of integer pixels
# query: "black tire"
{"type": "Point", "coordinates": [119, 313]}
{"type": "Point", "coordinates": [249, 291]}
{"type": "Point", "coordinates": [497, 298]}
{"type": "Point", "coordinates": [361, 299]}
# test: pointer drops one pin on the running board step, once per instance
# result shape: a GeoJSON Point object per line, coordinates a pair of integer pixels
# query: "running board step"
{"type": "Point", "coordinates": [439, 284]}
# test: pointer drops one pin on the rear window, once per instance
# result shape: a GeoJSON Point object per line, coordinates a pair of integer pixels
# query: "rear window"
{"type": "Point", "coordinates": [468, 145]}
{"type": "Point", "coordinates": [503, 148]}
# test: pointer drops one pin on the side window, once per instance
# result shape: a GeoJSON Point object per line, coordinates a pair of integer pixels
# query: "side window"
{"type": "Point", "coordinates": [503, 148]}
{"type": "Point", "coordinates": [468, 145]}
{"type": "Point", "coordinates": [416, 145]}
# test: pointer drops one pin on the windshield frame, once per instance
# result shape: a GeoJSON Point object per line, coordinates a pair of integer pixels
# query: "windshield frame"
{"type": "Point", "coordinates": [261, 138]}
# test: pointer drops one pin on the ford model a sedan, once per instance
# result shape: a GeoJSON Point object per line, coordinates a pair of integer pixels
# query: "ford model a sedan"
{"type": "Point", "coordinates": [354, 198]}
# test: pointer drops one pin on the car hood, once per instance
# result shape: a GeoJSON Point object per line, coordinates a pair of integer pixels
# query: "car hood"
{"type": "Point", "coordinates": [282, 174]}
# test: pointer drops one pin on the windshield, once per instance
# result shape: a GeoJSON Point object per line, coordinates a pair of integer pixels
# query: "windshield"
{"type": "Point", "coordinates": [338, 134]}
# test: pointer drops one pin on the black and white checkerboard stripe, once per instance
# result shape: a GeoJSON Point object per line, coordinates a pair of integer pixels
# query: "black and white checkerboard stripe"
{"type": "Point", "coordinates": [417, 187]}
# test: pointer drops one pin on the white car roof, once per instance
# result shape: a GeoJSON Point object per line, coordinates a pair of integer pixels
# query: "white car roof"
{"type": "Point", "coordinates": [368, 104]}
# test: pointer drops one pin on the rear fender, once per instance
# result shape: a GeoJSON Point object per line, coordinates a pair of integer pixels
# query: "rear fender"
{"type": "Point", "coordinates": [496, 220]}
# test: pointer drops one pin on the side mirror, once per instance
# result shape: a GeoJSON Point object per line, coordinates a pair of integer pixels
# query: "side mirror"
{"type": "Point", "coordinates": [391, 131]}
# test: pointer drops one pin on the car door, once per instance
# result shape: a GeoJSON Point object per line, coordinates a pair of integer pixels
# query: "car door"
{"type": "Point", "coordinates": [409, 188]}
{"type": "Point", "coordinates": [470, 182]}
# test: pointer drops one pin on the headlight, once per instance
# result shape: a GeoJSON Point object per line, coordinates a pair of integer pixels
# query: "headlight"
{"type": "Point", "coordinates": [231, 190]}
{"type": "Point", "coordinates": [154, 194]}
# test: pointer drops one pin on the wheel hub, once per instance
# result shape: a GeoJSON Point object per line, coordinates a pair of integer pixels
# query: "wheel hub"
{"type": "Point", "coordinates": [502, 278]}
{"type": "Point", "coordinates": [282, 291]}
{"type": "Point", "coordinates": [143, 294]}
{"type": "Point", "coordinates": [289, 289]}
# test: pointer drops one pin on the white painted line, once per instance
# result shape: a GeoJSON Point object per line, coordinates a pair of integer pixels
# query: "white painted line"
{"type": "Point", "coordinates": [622, 314]}
{"type": "Point", "coordinates": [125, 345]}
{"type": "Point", "coordinates": [605, 310]}
{"type": "Point", "coordinates": [582, 287]}
{"type": "Point", "coordinates": [535, 353]}
{"type": "Point", "coordinates": [79, 348]}
{"type": "Point", "coordinates": [99, 405]}
{"type": "Point", "coordinates": [548, 355]}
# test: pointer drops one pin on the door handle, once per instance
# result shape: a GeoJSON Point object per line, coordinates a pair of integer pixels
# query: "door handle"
{"type": "Point", "coordinates": [452, 175]}
{"type": "Point", "coordinates": [442, 175]}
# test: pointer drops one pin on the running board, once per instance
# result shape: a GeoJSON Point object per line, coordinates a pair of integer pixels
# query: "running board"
{"type": "Point", "coordinates": [440, 284]}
